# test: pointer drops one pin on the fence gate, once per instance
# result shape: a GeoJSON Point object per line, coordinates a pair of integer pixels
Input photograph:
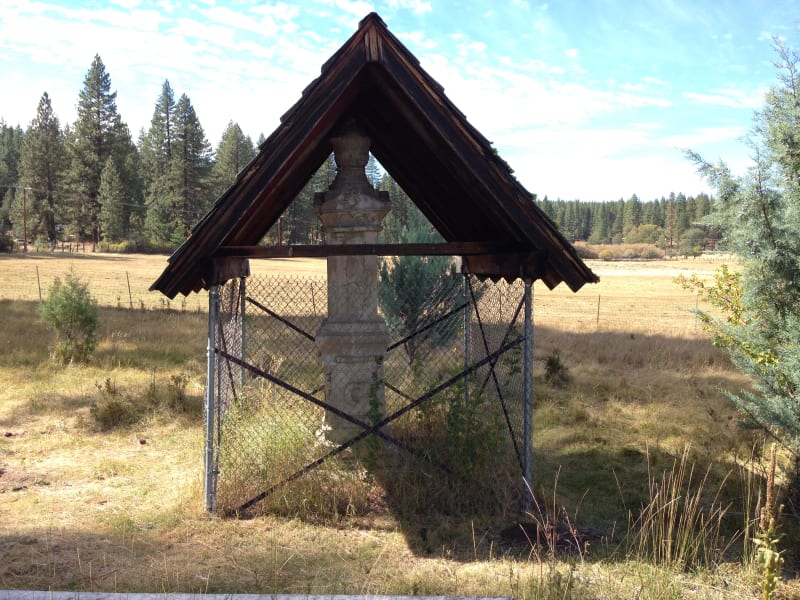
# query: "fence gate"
{"type": "Point", "coordinates": [450, 399]}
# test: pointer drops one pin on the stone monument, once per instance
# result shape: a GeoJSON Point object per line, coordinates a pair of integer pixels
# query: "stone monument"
{"type": "Point", "coordinates": [353, 339]}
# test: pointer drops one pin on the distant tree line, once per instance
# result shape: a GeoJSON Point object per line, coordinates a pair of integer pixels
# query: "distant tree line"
{"type": "Point", "coordinates": [90, 181]}
{"type": "Point", "coordinates": [676, 222]}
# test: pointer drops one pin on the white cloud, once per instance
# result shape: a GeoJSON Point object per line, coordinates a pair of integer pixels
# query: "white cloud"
{"type": "Point", "coordinates": [654, 81]}
{"type": "Point", "coordinates": [279, 12]}
{"type": "Point", "coordinates": [729, 97]}
{"type": "Point", "coordinates": [417, 6]}
{"type": "Point", "coordinates": [355, 8]}
{"type": "Point", "coordinates": [418, 39]}
{"type": "Point", "coordinates": [129, 4]}
{"type": "Point", "coordinates": [707, 135]}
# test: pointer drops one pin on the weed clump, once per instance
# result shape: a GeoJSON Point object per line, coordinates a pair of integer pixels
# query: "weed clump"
{"type": "Point", "coordinates": [116, 407]}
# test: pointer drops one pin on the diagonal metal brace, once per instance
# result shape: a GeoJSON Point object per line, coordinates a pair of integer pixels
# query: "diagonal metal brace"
{"type": "Point", "coordinates": [322, 404]}
{"type": "Point", "coordinates": [433, 323]}
{"type": "Point", "coordinates": [283, 320]}
{"type": "Point", "coordinates": [374, 429]}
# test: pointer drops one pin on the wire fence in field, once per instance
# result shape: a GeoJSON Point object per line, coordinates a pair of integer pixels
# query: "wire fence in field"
{"type": "Point", "coordinates": [121, 288]}
{"type": "Point", "coordinates": [584, 311]}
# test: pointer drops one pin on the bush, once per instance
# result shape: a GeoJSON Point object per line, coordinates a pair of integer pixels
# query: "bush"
{"type": "Point", "coordinates": [6, 243]}
{"type": "Point", "coordinates": [73, 314]}
{"type": "Point", "coordinates": [606, 254]}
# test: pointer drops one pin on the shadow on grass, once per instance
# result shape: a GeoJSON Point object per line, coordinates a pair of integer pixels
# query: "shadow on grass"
{"type": "Point", "coordinates": [630, 405]}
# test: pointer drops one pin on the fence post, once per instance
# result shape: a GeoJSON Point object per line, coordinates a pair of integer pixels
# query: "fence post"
{"type": "Point", "coordinates": [597, 321]}
{"type": "Point", "coordinates": [467, 335]}
{"type": "Point", "coordinates": [210, 475]}
{"type": "Point", "coordinates": [130, 296]}
{"type": "Point", "coordinates": [38, 283]}
{"type": "Point", "coordinates": [242, 309]}
{"type": "Point", "coordinates": [527, 391]}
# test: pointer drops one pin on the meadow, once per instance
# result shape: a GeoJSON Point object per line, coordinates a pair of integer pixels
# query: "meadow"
{"type": "Point", "coordinates": [83, 507]}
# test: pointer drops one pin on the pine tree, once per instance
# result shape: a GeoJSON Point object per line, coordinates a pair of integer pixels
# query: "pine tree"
{"type": "Point", "coordinates": [113, 212]}
{"type": "Point", "coordinates": [42, 166]}
{"type": "Point", "coordinates": [373, 171]}
{"type": "Point", "coordinates": [415, 291]}
{"type": "Point", "coordinates": [234, 152]}
{"type": "Point", "coordinates": [599, 233]}
{"type": "Point", "coordinates": [10, 150]}
{"type": "Point", "coordinates": [760, 216]}
{"type": "Point", "coordinates": [298, 222]}
{"type": "Point", "coordinates": [632, 215]}
{"type": "Point", "coordinates": [191, 163]}
{"type": "Point", "coordinates": [177, 158]}
{"type": "Point", "coordinates": [155, 146]}
{"type": "Point", "coordinates": [89, 144]}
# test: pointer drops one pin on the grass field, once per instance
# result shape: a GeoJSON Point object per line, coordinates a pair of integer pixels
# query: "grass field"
{"type": "Point", "coordinates": [638, 296]}
{"type": "Point", "coordinates": [121, 510]}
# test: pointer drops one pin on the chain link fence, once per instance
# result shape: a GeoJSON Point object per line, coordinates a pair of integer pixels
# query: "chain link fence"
{"type": "Point", "coordinates": [442, 403]}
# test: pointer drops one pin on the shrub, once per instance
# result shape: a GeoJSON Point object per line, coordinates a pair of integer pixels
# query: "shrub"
{"type": "Point", "coordinates": [73, 314]}
{"type": "Point", "coordinates": [606, 254]}
{"type": "Point", "coordinates": [555, 371]}
{"type": "Point", "coordinates": [114, 408]}
{"type": "Point", "coordinates": [6, 243]}
{"type": "Point", "coordinates": [584, 251]}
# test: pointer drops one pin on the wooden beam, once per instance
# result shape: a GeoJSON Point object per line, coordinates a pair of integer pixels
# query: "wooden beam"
{"type": "Point", "coordinates": [510, 266]}
{"type": "Point", "coordinates": [324, 250]}
{"type": "Point", "coordinates": [218, 270]}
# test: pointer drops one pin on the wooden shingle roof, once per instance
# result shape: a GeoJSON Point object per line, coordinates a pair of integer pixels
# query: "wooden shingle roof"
{"type": "Point", "coordinates": [448, 169]}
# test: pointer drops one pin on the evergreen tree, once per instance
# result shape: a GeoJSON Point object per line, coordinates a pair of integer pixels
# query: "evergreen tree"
{"type": "Point", "coordinates": [298, 223]}
{"type": "Point", "coordinates": [89, 144]}
{"type": "Point", "coordinates": [155, 146]}
{"type": "Point", "coordinates": [10, 150]}
{"type": "Point", "coordinates": [42, 167]}
{"type": "Point", "coordinates": [373, 171]}
{"type": "Point", "coordinates": [234, 152]}
{"type": "Point", "coordinates": [404, 220]}
{"type": "Point", "coordinates": [177, 158]}
{"type": "Point", "coordinates": [618, 224]}
{"type": "Point", "coordinates": [113, 212]}
{"type": "Point", "coordinates": [192, 164]}
{"type": "Point", "coordinates": [128, 165]}
{"type": "Point", "coordinates": [569, 226]}
{"type": "Point", "coordinates": [547, 206]}
{"type": "Point", "coordinates": [632, 215]}
{"type": "Point", "coordinates": [683, 215]}
{"type": "Point", "coordinates": [760, 216]}
{"type": "Point", "coordinates": [161, 197]}
{"type": "Point", "coordinates": [415, 291]}
{"type": "Point", "coordinates": [599, 233]}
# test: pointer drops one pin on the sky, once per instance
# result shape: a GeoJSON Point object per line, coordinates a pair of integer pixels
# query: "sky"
{"type": "Point", "coordinates": [585, 99]}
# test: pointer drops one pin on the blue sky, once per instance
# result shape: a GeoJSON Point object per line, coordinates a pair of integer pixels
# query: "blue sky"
{"type": "Point", "coordinates": [592, 100]}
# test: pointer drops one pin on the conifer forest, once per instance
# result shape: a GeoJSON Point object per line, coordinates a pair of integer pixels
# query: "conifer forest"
{"type": "Point", "coordinates": [95, 181]}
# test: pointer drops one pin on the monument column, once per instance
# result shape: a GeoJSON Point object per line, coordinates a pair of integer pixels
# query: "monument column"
{"type": "Point", "coordinates": [353, 339]}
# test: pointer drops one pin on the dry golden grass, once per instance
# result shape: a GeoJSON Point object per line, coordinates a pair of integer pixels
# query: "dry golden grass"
{"type": "Point", "coordinates": [122, 510]}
